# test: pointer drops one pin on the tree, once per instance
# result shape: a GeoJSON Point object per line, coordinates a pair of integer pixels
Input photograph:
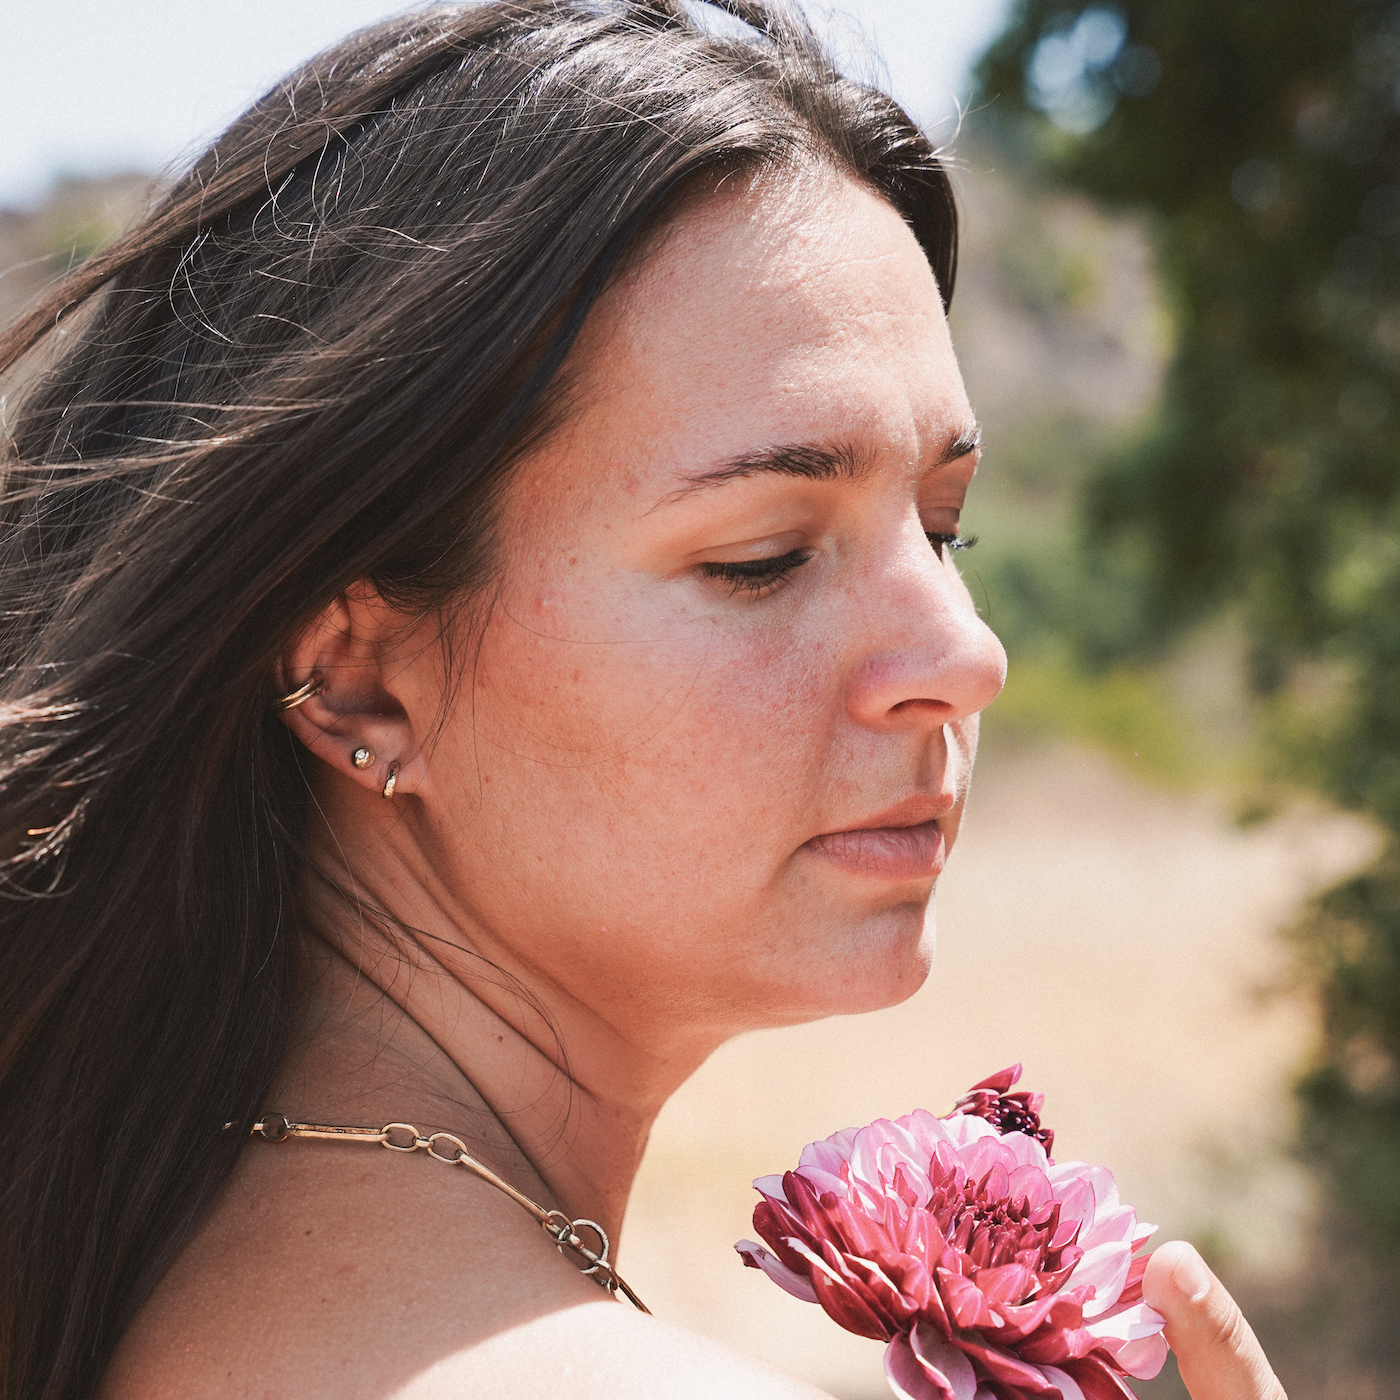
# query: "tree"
{"type": "Point", "coordinates": [1264, 143]}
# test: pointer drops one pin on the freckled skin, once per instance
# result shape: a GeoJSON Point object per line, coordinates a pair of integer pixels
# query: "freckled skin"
{"type": "Point", "coordinates": [672, 746]}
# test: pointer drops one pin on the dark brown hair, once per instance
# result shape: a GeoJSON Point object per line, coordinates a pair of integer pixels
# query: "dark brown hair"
{"type": "Point", "coordinates": [312, 363]}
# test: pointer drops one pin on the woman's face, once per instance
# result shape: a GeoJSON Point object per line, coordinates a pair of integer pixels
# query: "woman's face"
{"type": "Point", "coordinates": [715, 745]}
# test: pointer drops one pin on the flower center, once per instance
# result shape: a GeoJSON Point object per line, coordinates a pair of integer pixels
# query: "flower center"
{"type": "Point", "coordinates": [993, 1229]}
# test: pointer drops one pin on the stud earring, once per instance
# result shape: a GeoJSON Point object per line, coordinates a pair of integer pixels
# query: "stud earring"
{"type": "Point", "coordinates": [362, 758]}
{"type": "Point", "coordinates": [393, 778]}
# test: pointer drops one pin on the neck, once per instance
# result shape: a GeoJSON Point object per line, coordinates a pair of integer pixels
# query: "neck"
{"type": "Point", "coordinates": [427, 1019]}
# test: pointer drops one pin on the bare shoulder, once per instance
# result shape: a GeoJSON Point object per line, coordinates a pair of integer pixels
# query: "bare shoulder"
{"type": "Point", "coordinates": [328, 1272]}
{"type": "Point", "coordinates": [602, 1349]}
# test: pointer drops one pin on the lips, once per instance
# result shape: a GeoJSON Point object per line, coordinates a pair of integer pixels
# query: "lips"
{"type": "Point", "coordinates": [912, 852]}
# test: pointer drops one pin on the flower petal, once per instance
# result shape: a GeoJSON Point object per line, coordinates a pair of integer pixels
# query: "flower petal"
{"type": "Point", "coordinates": [1006, 1284]}
{"type": "Point", "coordinates": [771, 1186]}
{"type": "Point", "coordinates": [1128, 1324]}
{"type": "Point", "coordinates": [756, 1257]}
{"type": "Point", "coordinates": [1029, 1180]}
{"type": "Point", "coordinates": [776, 1225]}
{"type": "Point", "coordinates": [1099, 1178]}
{"type": "Point", "coordinates": [1143, 1358]}
{"type": "Point", "coordinates": [964, 1301]}
{"type": "Point", "coordinates": [1133, 1338]}
{"type": "Point", "coordinates": [1105, 1269]}
{"type": "Point", "coordinates": [1050, 1345]}
{"type": "Point", "coordinates": [920, 1365]}
{"type": "Point", "coordinates": [907, 1378]}
{"type": "Point", "coordinates": [1132, 1289]}
{"type": "Point", "coordinates": [999, 1082]}
{"type": "Point", "coordinates": [1098, 1381]}
{"type": "Point", "coordinates": [1063, 1382]}
{"type": "Point", "coordinates": [967, 1127]}
{"type": "Point", "coordinates": [1020, 1322]}
{"type": "Point", "coordinates": [1117, 1226]}
{"type": "Point", "coordinates": [840, 1301]}
{"type": "Point", "coordinates": [884, 1297]}
{"type": "Point", "coordinates": [1076, 1197]}
{"type": "Point", "coordinates": [1008, 1370]}
{"type": "Point", "coordinates": [825, 1158]}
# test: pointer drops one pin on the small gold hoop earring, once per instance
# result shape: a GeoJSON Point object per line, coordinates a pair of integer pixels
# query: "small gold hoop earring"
{"type": "Point", "coordinates": [362, 758]}
{"type": "Point", "coordinates": [393, 778]}
{"type": "Point", "coordinates": [303, 693]}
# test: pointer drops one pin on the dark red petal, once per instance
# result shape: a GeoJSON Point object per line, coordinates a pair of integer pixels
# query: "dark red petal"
{"type": "Point", "coordinates": [1132, 1289]}
{"type": "Point", "coordinates": [921, 1236]}
{"type": "Point", "coordinates": [842, 1305]}
{"type": "Point", "coordinates": [964, 1301]}
{"type": "Point", "coordinates": [1067, 1311]}
{"type": "Point", "coordinates": [1053, 1346]}
{"type": "Point", "coordinates": [919, 1287]}
{"type": "Point", "coordinates": [1008, 1370]}
{"type": "Point", "coordinates": [1007, 1284]}
{"type": "Point", "coordinates": [1097, 1380]}
{"type": "Point", "coordinates": [880, 1292]}
{"type": "Point", "coordinates": [1021, 1322]}
{"type": "Point", "coordinates": [1049, 1282]}
{"type": "Point", "coordinates": [858, 1233]}
{"type": "Point", "coordinates": [775, 1226]}
{"type": "Point", "coordinates": [807, 1206]}
{"type": "Point", "coordinates": [999, 1082]}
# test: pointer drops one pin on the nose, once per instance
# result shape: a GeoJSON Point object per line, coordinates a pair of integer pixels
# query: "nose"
{"type": "Point", "coordinates": [925, 655]}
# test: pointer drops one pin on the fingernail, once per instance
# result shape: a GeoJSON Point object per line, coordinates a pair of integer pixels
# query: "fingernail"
{"type": "Point", "coordinates": [1192, 1277]}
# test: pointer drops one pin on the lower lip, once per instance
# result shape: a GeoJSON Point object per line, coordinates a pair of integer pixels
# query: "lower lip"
{"type": "Point", "coordinates": [885, 853]}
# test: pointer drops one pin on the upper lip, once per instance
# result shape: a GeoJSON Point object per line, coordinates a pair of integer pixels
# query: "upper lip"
{"type": "Point", "coordinates": [912, 811]}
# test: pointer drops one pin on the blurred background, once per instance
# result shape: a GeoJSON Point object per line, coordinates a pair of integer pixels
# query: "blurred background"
{"type": "Point", "coordinates": [1177, 899]}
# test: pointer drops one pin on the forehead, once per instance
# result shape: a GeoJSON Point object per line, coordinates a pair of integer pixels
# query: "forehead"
{"type": "Point", "coordinates": [790, 309]}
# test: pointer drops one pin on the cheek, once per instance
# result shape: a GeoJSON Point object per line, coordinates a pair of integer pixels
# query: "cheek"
{"type": "Point", "coordinates": [684, 725]}
{"type": "Point", "coordinates": [654, 786]}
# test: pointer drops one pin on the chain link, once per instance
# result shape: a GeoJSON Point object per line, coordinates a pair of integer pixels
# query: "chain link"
{"type": "Point", "coordinates": [404, 1137]}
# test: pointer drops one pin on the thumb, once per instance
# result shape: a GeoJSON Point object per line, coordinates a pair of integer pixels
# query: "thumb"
{"type": "Point", "coordinates": [1217, 1353]}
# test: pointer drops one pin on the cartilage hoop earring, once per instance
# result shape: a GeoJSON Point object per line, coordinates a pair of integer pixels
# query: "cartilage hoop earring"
{"type": "Point", "coordinates": [302, 693]}
{"type": "Point", "coordinates": [362, 758]}
{"type": "Point", "coordinates": [393, 778]}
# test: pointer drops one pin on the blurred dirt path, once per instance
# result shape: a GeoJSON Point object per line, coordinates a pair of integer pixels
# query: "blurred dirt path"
{"type": "Point", "coordinates": [1112, 937]}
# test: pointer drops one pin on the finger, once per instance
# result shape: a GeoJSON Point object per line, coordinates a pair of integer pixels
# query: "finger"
{"type": "Point", "coordinates": [1217, 1353]}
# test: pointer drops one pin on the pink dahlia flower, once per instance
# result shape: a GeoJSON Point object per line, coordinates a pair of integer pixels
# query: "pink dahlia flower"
{"type": "Point", "coordinates": [993, 1272]}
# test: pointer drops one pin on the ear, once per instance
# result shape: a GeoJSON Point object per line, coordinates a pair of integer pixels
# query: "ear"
{"type": "Point", "coordinates": [367, 653]}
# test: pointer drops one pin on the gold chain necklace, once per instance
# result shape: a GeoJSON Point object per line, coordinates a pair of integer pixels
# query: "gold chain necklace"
{"type": "Point", "coordinates": [404, 1137]}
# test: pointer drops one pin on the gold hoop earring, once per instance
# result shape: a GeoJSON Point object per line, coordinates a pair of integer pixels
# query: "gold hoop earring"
{"type": "Point", "coordinates": [302, 693]}
{"type": "Point", "coordinates": [393, 778]}
{"type": "Point", "coordinates": [362, 758]}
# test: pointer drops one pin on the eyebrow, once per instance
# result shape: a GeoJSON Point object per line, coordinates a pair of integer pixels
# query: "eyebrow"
{"type": "Point", "coordinates": [839, 462]}
{"type": "Point", "coordinates": [836, 463]}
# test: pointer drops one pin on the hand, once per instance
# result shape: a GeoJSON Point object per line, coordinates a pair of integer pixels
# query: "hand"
{"type": "Point", "coordinates": [1218, 1354]}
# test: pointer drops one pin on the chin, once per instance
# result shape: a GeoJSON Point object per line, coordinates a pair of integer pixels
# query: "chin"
{"type": "Point", "coordinates": [883, 961]}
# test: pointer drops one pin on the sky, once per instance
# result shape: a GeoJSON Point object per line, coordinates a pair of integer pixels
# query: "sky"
{"type": "Point", "coordinates": [91, 87]}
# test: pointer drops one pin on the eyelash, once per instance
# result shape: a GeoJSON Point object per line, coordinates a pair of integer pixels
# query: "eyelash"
{"type": "Point", "coordinates": [951, 542]}
{"type": "Point", "coordinates": [758, 577]}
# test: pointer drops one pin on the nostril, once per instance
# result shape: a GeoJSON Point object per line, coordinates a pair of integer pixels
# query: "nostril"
{"type": "Point", "coordinates": [918, 703]}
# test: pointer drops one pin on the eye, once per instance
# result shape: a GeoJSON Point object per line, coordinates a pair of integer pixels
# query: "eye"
{"type": "Point", "coordinates": [758, 577]}
{"type": "Point", "coordinates": [950, 543]}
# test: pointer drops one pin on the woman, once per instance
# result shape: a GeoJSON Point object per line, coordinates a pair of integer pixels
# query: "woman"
{"type": "Point", "coordinates": [482, 630]}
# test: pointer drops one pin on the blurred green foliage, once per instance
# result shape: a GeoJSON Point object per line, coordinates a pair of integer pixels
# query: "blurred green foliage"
{"type": "Point", "coordinates": [1263, 143]}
